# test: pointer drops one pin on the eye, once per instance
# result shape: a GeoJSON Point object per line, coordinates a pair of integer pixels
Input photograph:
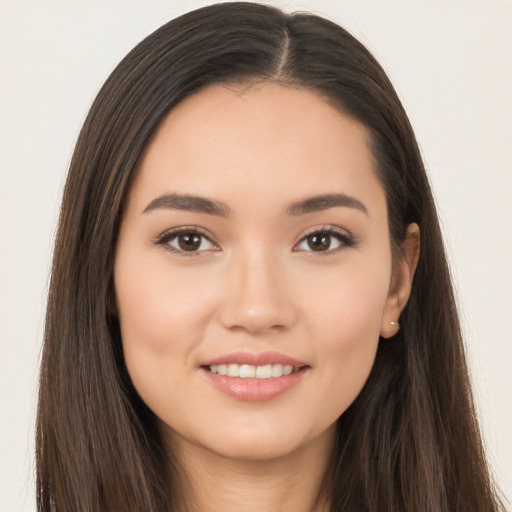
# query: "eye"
{"type": "Point", "coordinates": [324, 241]}
{"type": "Point", "coordinates": [186, 241]}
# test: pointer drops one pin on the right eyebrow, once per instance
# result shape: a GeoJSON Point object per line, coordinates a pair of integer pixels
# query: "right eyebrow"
{"type": "Point", "coordinates": [189, 203]}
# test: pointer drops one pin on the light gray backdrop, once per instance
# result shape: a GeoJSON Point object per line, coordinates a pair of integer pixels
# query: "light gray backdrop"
{"type": "Point", "coordinates": [451, 64]}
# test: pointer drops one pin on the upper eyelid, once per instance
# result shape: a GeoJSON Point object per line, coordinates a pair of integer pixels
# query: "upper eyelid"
{"type": "Point", "coordinates": [186, 229]}
{"type": "Point", "coordinates": [346, 239]}
{"type": "Point", "coordinates": [325, 229]}
{"type": "Point", "coordinates": [164, 239]}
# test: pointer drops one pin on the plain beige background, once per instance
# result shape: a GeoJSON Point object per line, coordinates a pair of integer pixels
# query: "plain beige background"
{"type": "Point", "coordinates": [451, 64]}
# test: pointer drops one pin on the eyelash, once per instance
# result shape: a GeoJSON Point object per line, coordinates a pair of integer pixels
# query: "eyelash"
{"type": "Point", "coordinates": [164, 239]}
{"type": "Point", "coordinates": [344, 238]}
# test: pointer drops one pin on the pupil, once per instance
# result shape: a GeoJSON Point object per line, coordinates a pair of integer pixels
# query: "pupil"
{"type": "Point", "coordinates": [319, 242]}
{"type": "Point", "coordinates": [189, 242]}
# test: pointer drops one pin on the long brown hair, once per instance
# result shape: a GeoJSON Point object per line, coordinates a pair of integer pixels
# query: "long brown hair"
{"type": "Point", "coordinates": [409, 442]}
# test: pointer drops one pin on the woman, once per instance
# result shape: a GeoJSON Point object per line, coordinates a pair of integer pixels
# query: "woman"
{"type": "Point", "coordinates": [241, 316]}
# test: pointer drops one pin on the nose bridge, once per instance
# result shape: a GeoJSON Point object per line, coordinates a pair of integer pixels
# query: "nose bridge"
{"type": "Point", "coordinates": [257, 296]}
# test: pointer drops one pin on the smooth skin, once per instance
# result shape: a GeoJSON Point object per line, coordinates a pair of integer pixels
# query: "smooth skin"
{"type": "Point", "coordinates": [317, 284]}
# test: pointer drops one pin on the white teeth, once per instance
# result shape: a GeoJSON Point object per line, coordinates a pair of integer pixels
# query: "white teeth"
{"type": "Point", "coordinates": [233, 370]}
{"type": "Point", "coordinates": [264, 372]}
{"type": "Point", "coordinates": [247, 371]}
{"type": "Point", "coordinates": [277, 370]}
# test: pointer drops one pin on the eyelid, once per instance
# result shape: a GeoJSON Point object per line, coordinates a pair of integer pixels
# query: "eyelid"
{"type": "Point", "coordinates": [346, 238]}
{"type": "Point", "coordinates": [164, 239]}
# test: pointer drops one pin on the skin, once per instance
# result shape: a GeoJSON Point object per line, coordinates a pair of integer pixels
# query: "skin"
{"type": "Point", "coordinates": [257, 285]}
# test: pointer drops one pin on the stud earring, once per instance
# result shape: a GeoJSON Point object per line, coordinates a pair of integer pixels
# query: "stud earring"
{"type": "Point", "coordinates": [395, 324]}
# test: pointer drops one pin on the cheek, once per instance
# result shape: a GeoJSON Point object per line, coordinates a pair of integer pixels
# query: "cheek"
{"type": "Point", "coordinates": [162, 315]}
{"type": "Point", "coordinates": [348, 303]}
{"type": "Point", "coordinates": [346, 324]}
{"type": "Point", "coordinates": [156, 304]}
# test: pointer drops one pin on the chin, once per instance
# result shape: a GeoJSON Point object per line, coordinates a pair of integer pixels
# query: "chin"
{"type": "Point", "coordinates": [254, 442]}
{"type": "Point", "coordinates": [255, 448]}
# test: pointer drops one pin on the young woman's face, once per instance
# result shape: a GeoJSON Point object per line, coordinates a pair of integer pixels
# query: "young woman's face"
{"type": "Point", "coordinates": [254, 243]}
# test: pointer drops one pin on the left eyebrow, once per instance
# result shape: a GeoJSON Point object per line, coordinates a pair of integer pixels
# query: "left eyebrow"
{"type": "Point", "coordinates": [324, 202]}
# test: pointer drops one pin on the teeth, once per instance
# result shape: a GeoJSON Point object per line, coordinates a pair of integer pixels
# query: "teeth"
{"type": "Point", "coordinates": [233, 370]}
{"type": "Point", "coordinates": [264, 372]}
{"type": "Point", "coordinates": [247, 371]}
{"type": "Point", "coordinates": [277, 370]}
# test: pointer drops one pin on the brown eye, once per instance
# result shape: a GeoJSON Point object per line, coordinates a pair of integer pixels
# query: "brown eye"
{"type": "Point", "coordinates": [189, 241]}
{"type": "Point", "coordinates": [186, 242]}
{"type": "Point", "coordinates": [327, 241]}
{"type": "Point", "coordinates": [319, 242]}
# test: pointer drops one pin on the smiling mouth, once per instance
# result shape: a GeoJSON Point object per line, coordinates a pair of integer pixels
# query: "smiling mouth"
{"type": "Point", "coordinates": [271, 374]}
{"type": "Point", "coordinates": [247, 371]}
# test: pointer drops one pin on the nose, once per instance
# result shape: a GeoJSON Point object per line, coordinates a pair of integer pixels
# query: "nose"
{"type": "Point", "coordinates": [257, 297]}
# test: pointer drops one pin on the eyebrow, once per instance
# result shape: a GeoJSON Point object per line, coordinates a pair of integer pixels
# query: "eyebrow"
{"type": "Point", "coordinates": [324, 202]}
{"type": "Point", "coordinates": [189, 203]}
{"type": "Point", "coordinates": [200, 204]}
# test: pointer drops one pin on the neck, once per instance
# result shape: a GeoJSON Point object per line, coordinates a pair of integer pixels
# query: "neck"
{"type": "Point", "coordinates": [209, 482]}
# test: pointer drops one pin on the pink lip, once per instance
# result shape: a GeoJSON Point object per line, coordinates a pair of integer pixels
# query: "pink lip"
{"type": "Point", "coordinates": [260, 359]}
{"type": "Point", "coordinates": [255, 390]}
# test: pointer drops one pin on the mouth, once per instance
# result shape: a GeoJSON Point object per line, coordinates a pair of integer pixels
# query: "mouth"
{"type": "Point", "coordinates": [255, 377]}
{"type": "Point", "coordinates": [248, 371]}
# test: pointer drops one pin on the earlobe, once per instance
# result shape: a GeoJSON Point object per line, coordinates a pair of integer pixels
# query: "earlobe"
{"type": "Point", "coordinates": [401, 284]}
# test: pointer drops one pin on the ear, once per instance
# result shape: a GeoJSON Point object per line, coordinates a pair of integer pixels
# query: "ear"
{"type": "Point", "coordinates": [401, 282]}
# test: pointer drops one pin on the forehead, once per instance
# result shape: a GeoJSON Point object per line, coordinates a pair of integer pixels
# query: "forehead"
{"type": "Point", "coordinates": [265, 141]}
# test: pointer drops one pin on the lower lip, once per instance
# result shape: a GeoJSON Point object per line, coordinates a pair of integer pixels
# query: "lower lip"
{"type": "Point", "coordinates": [254, 390]}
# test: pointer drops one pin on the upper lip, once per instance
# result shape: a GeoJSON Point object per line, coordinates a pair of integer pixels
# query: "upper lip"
{"type": "Point", "coordinates": [255, 359]}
